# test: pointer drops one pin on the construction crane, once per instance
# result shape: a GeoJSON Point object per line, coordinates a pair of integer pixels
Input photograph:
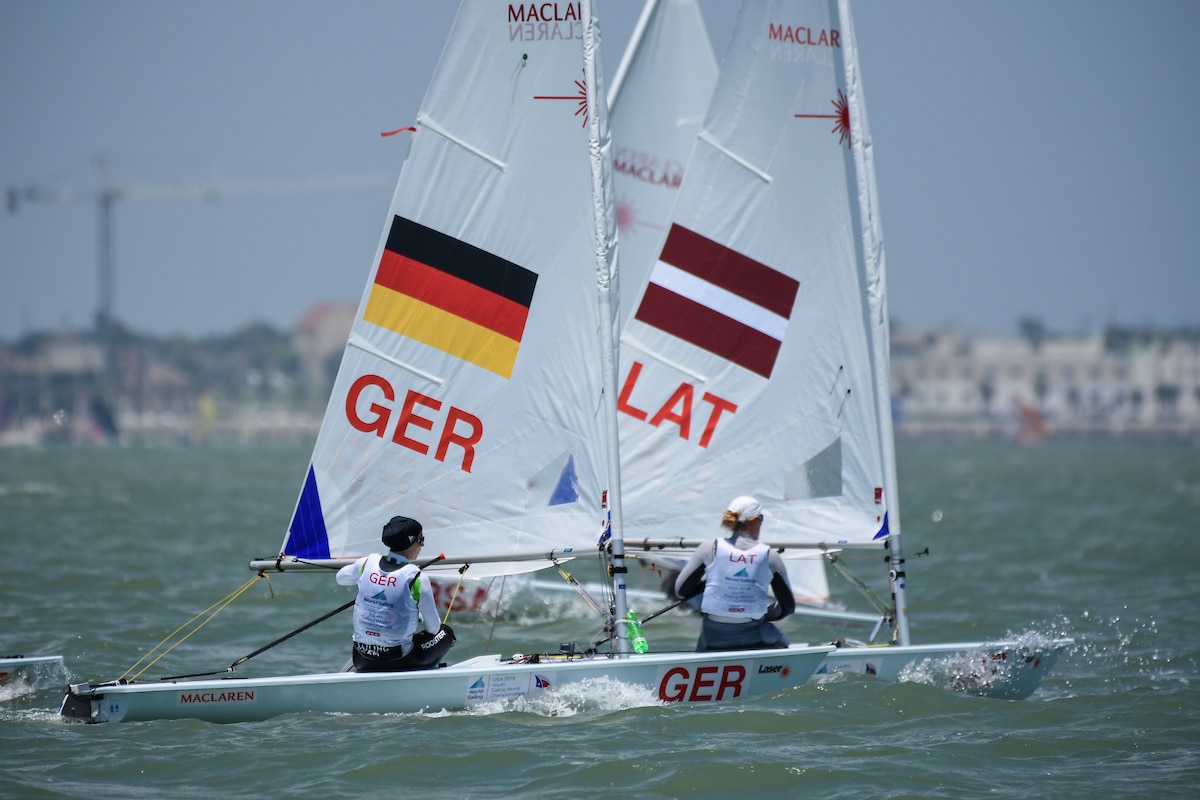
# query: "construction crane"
{"type": "Point", "coordinates": [107, 195]}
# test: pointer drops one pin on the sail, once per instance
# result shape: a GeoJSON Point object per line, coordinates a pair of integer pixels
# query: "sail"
{"type": "Point", "coordinates": [659, 95]}
{"type": "Point", "coordinates": [748, 361]}
{"type": "Point", "coordinates": [469, 395]}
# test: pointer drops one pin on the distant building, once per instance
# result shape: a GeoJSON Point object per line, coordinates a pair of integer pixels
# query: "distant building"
{"type": "Point", "coordinates": [319, 339]}
{"type": "Point", "coordinates": [264, 385]}
{"type": "Point", "coordinates": [1145, 384]}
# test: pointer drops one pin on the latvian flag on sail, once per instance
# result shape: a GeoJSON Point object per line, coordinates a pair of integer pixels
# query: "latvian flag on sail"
{"type": "Point", "coordinates": [451, 296]}
{"type": "Point", "coordinates": [719, 300]}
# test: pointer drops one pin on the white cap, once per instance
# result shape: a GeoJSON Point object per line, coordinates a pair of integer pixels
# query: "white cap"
{"type": "Point", "coordinates": [746, 508]}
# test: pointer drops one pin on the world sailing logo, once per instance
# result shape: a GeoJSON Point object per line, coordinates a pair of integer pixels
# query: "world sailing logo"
{"type": "Point", "coordinates": [451, 296]}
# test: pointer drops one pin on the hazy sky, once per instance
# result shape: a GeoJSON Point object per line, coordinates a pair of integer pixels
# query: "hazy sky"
{"type": "Point", "coordinates": [1033, 158]}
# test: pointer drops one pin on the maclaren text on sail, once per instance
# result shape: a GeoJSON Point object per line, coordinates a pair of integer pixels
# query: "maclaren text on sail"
{"type": "Point", "coordinates": [536, 22]}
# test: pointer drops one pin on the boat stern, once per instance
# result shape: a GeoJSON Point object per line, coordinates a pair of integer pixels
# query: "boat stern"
{"type": "Point", "coordinates": [80, 704]}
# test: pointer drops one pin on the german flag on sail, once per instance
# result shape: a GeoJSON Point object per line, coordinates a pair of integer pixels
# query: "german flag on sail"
{"type": "Point", "coordinates": [451, 296]}
{"type": "Point", "coordinates": [719, 300]}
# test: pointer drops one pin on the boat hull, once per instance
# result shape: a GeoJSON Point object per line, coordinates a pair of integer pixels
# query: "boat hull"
{"type": "Point", "coordinates": [1009, 670]}
{"type": "Point", "coordinates": [19, 674]}
{"type": "Point", "coordinates": [670, 677]}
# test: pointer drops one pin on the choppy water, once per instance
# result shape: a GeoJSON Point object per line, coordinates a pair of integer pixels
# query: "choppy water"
{"type": "Point", "coordinates": [106, 551]}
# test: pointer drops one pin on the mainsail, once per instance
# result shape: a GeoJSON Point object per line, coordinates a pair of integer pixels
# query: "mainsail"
{"type": "Point", "coordinates": [658, 99]}
{"type": "Point", "coordinates": [469, 396]}
{"type": "Point", "coordinates": [752, 336]}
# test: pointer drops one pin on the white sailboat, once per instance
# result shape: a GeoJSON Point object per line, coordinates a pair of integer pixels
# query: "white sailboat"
{"type": "Point", "coordinates": [660, 94]}
{"type": "Point", "coordinates": [657, 101]}
{"type": "Point", "coordinates": [477, 390]}
{"type": "Point", "coordinates": [755, 359]}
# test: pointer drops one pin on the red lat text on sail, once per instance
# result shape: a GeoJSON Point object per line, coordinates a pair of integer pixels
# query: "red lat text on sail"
{"type": "Point", "coordinates": [677, 409]}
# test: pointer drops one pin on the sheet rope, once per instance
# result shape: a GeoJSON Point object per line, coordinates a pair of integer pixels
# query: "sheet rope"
{"type": "Point", "coordinates": [211, 612]}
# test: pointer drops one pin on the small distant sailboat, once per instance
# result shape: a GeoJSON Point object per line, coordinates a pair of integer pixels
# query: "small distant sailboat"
{"type": "Point", "coordinates": [755, 359]}
{"type": "Point", "coordinates": [477, 392]}
{"type": "Point", "coordinates": [1029, 423]}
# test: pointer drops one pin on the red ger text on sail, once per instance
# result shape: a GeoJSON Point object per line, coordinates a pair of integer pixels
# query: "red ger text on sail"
{"type": "Point", "coordinates": [411, 423]}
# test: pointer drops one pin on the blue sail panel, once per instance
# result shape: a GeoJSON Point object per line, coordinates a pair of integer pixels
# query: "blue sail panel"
{"type": "Point", "coordinates": [567, 488]}
{"type": "Point", "coordinates": [307, 537]}
{"type": "Point", "coordinates": [883, 530]}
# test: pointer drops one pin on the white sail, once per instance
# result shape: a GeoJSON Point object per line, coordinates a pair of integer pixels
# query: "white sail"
{"type": "Point", "coordinates": [747, 364]}
{"type": "Point", "coordinates": [469, 395]}
{"type": "Point", "coordinates": [659, 96]}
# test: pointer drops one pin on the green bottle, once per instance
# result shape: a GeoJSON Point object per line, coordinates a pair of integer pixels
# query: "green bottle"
{"type": "Point", "coordinates": [636, 636]}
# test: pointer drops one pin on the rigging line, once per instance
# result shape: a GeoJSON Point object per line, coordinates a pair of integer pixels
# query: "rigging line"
{"type": "Point", "coordinates": [219, 606]}
{"type": "Point", "coordinates": [167, 638]}
{"type": "Point", "coordinates": [838, 563]}
{"type": "Point", "coordinates": [462, 571]}
{"type": "Point", "coordinates": [660, 612]}
{"type": "Point", "coordinates": [287, 636]}
{"type": "Point", "coordinates": [496, 610]}
{"type": "Point", "coordinates": [582, 592]}
{"type": "Point", "coordinates": [232, 667]}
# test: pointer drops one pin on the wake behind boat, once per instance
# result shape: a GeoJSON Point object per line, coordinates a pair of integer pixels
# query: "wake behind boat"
{"type": "Point", "coordinates": [477, 391]}
{"type": "Point", "coordinates": [23, 674]}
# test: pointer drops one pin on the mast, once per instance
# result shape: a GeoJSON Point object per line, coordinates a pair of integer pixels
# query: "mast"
{"type": "Point", "coordinates": [872, 242]}
{"type": "Point", "coordinates": [599, 145]}
{"type": "Point", "coordinates": [639, 31]}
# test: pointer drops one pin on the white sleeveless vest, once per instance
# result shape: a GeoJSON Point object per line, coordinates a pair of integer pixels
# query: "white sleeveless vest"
{"type": "Point", "coordinates": [736, 584]}
{"type": "Point", "coordinates": [385, 613]}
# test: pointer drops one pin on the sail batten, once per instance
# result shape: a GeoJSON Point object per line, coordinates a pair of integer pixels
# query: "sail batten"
{"type": "Point", "coordinates": [426, 122]}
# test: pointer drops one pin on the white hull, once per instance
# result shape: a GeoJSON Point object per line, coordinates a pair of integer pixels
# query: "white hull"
{"type": "Point", "coordinates": [671, 677]}
{"type": "Point", "coordinates": [22, 673]}
{"type": "Point", "coordinates": [1009, 670]}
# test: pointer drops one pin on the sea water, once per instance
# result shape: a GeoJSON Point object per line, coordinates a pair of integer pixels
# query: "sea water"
{"type": "Point", "coordinates": [106, 551]}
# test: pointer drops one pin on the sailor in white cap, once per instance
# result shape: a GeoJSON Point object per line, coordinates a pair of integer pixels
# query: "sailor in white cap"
{"type": "Point", "coordinates": [735, 574]}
